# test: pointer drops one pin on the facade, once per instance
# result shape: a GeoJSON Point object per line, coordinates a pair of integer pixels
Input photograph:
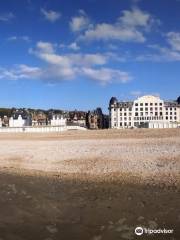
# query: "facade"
{"type": "Point", "coordinates": [95, 119]}
{"type": "Point", "coordinates": [77, 118]}
{"type": "Point", "coordinates": [58, 120]}
{"type": "Point", "coordinates": [19, 121]}
{"type": "Point", "coordinates": [39, 119]}
{"type": "Point", "coordinates": [147, 111]}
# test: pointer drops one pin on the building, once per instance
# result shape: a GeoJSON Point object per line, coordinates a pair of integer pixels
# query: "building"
{"type": "Point", "coordinates": [19, 121]}
{"type": "Point", "coordinates": [58, 120]}
{"type": "Point", "coordinates": [147, 111]}
{"type": "Point", "coordinates": [95, 119]}
{"type": "Point", "coordinates": [39, 118]}
{"type": "Point", "coordinates": [77, 118]}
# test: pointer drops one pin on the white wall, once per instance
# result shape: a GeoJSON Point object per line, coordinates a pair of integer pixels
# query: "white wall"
{"type": "Point", "coordinates": [43, 129]}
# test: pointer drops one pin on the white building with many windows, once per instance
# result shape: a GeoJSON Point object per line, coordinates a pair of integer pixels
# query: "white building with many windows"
{"type": "Point", "coordinates": [147, 111]}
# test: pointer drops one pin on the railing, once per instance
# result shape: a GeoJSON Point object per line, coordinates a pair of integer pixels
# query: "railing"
{"type": "Point", "coordinates": [39, 129]}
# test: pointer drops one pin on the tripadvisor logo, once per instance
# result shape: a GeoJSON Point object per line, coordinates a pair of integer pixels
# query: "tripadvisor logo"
{"type": "Point", "coordinates": [139, 231]}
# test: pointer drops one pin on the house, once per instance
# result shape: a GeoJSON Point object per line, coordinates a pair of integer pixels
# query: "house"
{"type": "Point", "coordinates": [19, 121]}
{"type": "Point", "coordinates": [95, 119]}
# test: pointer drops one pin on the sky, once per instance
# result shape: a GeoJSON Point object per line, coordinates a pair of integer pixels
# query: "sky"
{"type": "Point", "coordinates": [76, 54]}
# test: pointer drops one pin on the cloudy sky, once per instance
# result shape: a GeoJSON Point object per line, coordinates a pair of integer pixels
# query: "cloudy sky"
{"type": "Point", "coordinates": [76, 54]}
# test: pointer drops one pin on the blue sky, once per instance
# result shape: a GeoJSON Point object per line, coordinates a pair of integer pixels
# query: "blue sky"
{"type": "Point", "coordinates": [76, 54]}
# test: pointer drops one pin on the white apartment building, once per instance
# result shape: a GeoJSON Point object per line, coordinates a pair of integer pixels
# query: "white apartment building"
{"type": "Point", "coordinates": [147, 111]}
{"type": "Point", "coordinates": [58, 120]}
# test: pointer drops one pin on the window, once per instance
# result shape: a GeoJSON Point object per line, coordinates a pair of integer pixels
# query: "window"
{"type": "Point", "coordinates": [156, 113]}
{"type": "Point", "coordinates": [120, 124]}
{"type": "Point", "coordinates": [151, 109]}
{"type": "Point", "coordinates": [141, 113]}
{"type": "Point", "coordinates": [160, 108]}
{"type": "Point", "coordinates": [170, 118]}
{"type": "Point", "coordinates": [136, 104]}
{"type": "Point", "coordinates": [160, 114]}
{"type": "Point", "coordinates": [125, 119]}
{"type": "Point", "coordinates": [136, 114]}
{"type": "Point", "coordinates": [141, 104]}
{"type": "Point", "coordinates": [129, 124]}
{"type": "Point", "coordinates": [174, 109]}
{"type": "Point", "coordinates": [120, 109]}
{"type": "Point", "coordinates": [166, 118]}
{"type": "Point", "coordinates": [175, 118]}
{"type": "Point", "coordinates": [156, 109]}
{"type": "Point", "coordinates": [125, 114]}
{"type": "Point", "coordinates": [125, 124]}
{"type": "Point", "coordinates": [170, 109]}
{"type": "Point", "coordinates": [146, 109]}
{"type": "Point", "coordinates": [146, 104]}
{"type": "Point", "coordinates": [129, 118]}
{"type": "Point", "coordinates": [141, 109]}
{"type": "Point", "coordinates": [174, 113]}
{"type": "Point", "coordinates": [160, 104]}
{"type": "Point", "coordinates": [170, 113]}
{"type": "Point", "coordinates": [130, 109]}
{"type": "Point", "coordinates": [155, 104]}
{"type": "Point", "coordinates": [136, 109]}
{"type": "Point", "coordinates": [166, 113]}
{"type": "Point", "coordinates": [151, 104]}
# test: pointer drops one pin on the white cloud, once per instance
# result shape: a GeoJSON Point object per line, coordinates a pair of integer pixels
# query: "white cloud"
{"type": "Point", "coordinates": [20, 72]}
{"type": "Point", "coordinates": [130, 26]}
{"type": "Point", "coordinates": [79, 23]}
{"type": "Point", "coordinates": [66, 67]}
{"type": "Point", "coordinates": [173, 39]}
{"type": "Point", "coordinates": [19, 38]}
{"type": "Point", "coordinates": [46, 52]}
{"type": "Point", "coordinates": [74, 46]}
{"type": "Point", "coordinates": [107, 32]}
{"type": "Point", "coordinates": [106, 75]}
{"type": "Point", "coordinates": [6, 17]}
{"type": "Point", "coordinates": [135, 17]}
{"type": "Point", "coordinates": [50, 15]}
{"type": "Point", "coordinates": [45, 47]}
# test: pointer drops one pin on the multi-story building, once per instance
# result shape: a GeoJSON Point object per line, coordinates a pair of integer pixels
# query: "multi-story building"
{"type": "Point", "coordinates": [95, 119]}
{"type": "Point", "coordinates": [58, 120]}
{"type": "Point", "coordinates": [147, 111]}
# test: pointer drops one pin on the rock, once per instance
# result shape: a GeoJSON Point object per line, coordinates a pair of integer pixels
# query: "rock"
{"type": "Point", "coordinates": [152, 224]}
{"type": "Point", "coordinates": [140, 218]}
{"type": "Point", "coordinates": [52, 229]}
{"type": "Point", "coordinates": [99, 237]}
{"type": "Point", "coordinates": [121, 221]}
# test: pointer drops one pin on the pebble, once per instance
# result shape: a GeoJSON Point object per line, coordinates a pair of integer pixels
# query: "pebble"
{"type": "Point", "coordinates": [52, 229]}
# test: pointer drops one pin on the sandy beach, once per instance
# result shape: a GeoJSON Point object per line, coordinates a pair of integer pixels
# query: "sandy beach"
{"type": "Point", "coordinates": [93, 185]}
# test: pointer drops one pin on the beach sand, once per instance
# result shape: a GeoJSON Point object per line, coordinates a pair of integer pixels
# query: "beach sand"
{"type": "Point", "coordinates": [92, 185]}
